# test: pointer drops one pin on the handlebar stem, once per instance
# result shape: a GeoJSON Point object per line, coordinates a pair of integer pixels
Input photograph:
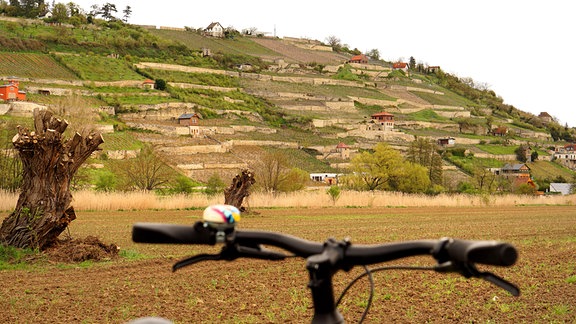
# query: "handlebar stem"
{"type": "Point", "coordinates": [321, 267]}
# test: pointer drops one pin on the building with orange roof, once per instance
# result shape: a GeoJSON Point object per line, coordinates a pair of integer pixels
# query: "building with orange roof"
{"type": "Point", "coordinates": [11, 91]}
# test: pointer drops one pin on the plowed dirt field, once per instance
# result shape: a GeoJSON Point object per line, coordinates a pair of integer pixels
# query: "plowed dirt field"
{"type": "Point", "coordinates": [140, 283]}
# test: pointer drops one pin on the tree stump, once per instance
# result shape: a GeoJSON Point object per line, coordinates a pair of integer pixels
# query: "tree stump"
{"type": "Point", "coordinates": [239, 189]}
{"type": "Point", "coordinates": [49, 162]}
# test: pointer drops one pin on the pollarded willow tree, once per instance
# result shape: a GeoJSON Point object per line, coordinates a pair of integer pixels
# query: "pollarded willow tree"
{"type": "Point", "coordinates": [49, 162]}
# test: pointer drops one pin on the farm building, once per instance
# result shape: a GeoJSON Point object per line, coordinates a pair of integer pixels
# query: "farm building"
{"type": "Point", "coordinates": [358, 59]}
{"type": "Point", "coordinates": [189, 119]}
{"type": "Point", "coordinates": [448, 141]}
{"type": "Point", "coordinates": [500, 131]}
{"type": "Point", "coordinates": [518, 170]}
{"type": "Point", "coordinates": [11, 91]}
{"type": "Point", "coordinates": [328, 178]}
{"type": "Point", "coordinates": [148, 84]}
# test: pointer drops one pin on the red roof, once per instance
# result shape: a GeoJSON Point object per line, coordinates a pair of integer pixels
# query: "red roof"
{"type": "Point", "coordinates": [148, 81]}
{"type": "Point", "coordinates": [342, 145]}
{"type": "Point", "coordinates": [382, 114]}
{"type": "Point", "coordinates": [399, 65]}
{"type": "Point", "coordinates": [359, 58]}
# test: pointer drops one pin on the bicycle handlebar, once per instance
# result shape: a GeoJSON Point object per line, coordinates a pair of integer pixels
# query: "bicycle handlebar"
{"type": "Point", "coordinates": [454, 250]}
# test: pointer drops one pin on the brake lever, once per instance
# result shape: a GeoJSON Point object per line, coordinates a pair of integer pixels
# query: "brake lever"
{"type": "Point", "coordinates": [232, 252]}
{"type": "Point", "coordinates": [195, 259]}
{"type": "Point", "coordinates": [469, 270]}
{"type": "Point", "coordinates": [500, 282]}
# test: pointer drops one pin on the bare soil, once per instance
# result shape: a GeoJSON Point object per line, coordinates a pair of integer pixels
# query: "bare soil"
{"type": "Point", "coordinates": [66, 288]}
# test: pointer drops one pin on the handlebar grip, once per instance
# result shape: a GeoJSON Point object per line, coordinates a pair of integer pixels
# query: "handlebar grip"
{"type": "Point", "coordinates": [172, 234]}
{"type": "Point", "coordinates": [485, 252]}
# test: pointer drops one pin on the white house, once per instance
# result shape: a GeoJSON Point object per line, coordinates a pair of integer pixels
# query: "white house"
{"type": "Point", "coordinates": [329, 178]}
{"type": "Point", "coordinates": [214, 30]}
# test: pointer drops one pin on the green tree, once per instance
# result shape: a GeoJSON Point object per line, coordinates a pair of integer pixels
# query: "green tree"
{"type": "Point", "coordinates": [423, 152]}
{"type": "Point", "coordinates": [489, 123]}
{"type": "Point", "coordinates": [160, 84]}
{"type": "Point", "coordinates": [215, 185]}
{"type": "Point", "coordinates": [334, 193]}
{"type": "Point", "coordinates": [375, 169]}
{"type": "Point", "coordinates": [274, 173]}
{"type": "Point", "coordinates": [412, 178]}
{"type": "Point", "coordinates": [293, 180]}
{"type": "Point", "coordinates": [181, 185]}
{"type": "Point", "coordinates": [59, 13]}
{"type": "Point", "coordinates": [412, 63]}
{"type": "Point", "coordinates": [521, 153]}
{"type": "Point", "coordinates": [106, 181]}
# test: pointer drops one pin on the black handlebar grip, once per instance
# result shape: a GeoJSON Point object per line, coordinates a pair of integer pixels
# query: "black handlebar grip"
{"type": "Point", "coordinates": [485, 252]}
{"type": "Point", "coordinates": [172, 234]}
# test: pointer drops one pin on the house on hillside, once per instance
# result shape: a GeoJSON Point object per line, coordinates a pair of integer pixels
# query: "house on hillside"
{"type": "Point", "coordinates": [189, 119]}
{"type": "Point", "coordinates": [148, 84]}
{"type": "Point", "coordinates": [381, 121]}
{"type": "Point", "coordinates": [566, 155]}
{"type": "Point", "coordinates": [447, 141]}
{"type": "Point", "coordinates": [516, 170]}
{"type": "Point", "coordinates": [11, 91]}
{"type": "Point", "coordinates": [400, 66]}
{"type": "Point", "coordinates": [363, 59]}
{"type": "Point", "coordinates": [545, 117]}
{"type": "Point", "coordinates": [214, 30]}
{"type": "Point", "coordinates": [500, 131]}
{"type": "Point", "coordinates": [343, 150]}
{"type": "Point", "coordinates": [518, 174]}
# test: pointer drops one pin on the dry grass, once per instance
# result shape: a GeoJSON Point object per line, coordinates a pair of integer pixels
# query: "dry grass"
{"type": "Point", "coordinates": [97, 201]}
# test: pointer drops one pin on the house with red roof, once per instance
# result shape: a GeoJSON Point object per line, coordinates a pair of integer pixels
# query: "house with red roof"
{"type": "Point", "coordinates": [363, 59]}
{"type": "Point", "coordinates": [343, 150]}
{"type": "Point", "coordinates": [400, 66]}
{"type": "Point", "coordinates": [381, 121]}
{"type": "Point", "coordinates": [11, 91]}
{"type": "Point", "coordinates": [148, 84]}
{"type": "Point", "coordinates": [500, 131]}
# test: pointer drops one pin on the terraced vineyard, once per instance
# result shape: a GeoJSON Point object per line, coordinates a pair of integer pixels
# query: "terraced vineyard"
{"type": "Point", "coordinates": [33, 65]}
{"type": "Point", "coordinates": [98, 68]}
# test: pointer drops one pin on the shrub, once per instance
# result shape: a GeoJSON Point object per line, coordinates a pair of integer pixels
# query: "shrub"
{"type": "Point", "coordinates": [214, 186]}
{"type": "Point", "coordinates": [334, 193]}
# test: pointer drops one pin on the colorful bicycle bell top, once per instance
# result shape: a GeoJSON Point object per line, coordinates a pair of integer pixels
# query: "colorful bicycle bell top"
{"type": "Point", "coordinates": [221, 214]}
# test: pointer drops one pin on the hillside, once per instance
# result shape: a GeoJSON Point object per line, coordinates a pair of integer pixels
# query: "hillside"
{"type": "Point", "coordinates": [255, 95]}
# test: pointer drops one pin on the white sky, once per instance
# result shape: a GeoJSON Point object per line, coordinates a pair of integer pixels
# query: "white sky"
{"type": "Point", "coordinates": [523, 49]}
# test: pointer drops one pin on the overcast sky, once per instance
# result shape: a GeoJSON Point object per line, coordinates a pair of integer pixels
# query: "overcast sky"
{"type": "Point", "coordinates": [523, 50]}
